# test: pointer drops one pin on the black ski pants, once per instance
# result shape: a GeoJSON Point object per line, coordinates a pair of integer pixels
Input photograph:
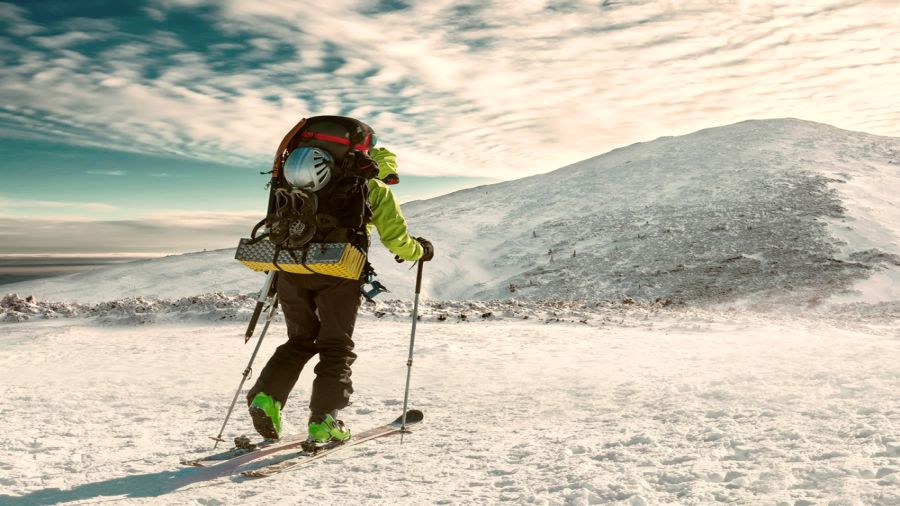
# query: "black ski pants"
{"type": "Point", "coordinates": [320, 312]}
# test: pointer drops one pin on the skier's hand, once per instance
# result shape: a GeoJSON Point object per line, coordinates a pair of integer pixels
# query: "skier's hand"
{"type": "Point", "coordinates": [366, 166]}
{"type": "Point", "coordinates": [427, 249]}
{"type": "Point", "coordinates": [398, 259]}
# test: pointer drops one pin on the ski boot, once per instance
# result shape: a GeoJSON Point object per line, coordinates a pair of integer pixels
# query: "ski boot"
{"type": "Point", "coordinates": [323, 428]}
{"type": "Point", "coordinates": [266, 414]}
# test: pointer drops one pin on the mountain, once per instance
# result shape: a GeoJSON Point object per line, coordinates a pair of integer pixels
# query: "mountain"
{"type": "Point", "coordinates": [754, 208]}
{"type": "Point", "coordinates": [758, 210]}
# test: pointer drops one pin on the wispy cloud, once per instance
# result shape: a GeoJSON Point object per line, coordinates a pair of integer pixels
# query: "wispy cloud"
{"type": "Point", "coordinates": [160, 232]}
{"type": "Point", "coordinates": [52, 204]}
{"type": "Point", "coordinates": [15, 20]}
{"type": "Point", "coordinates": [126, 254]}
{"type": "Point", "coordinates": [63, 40]}
{"type": "Point", "coordinates": [105, 172]}
{"type": "Point", "coordinates": [505, 88]}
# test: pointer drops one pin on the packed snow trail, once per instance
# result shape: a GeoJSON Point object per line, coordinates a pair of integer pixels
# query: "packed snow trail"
{"type": "Point", "coordinates": [667, 410]}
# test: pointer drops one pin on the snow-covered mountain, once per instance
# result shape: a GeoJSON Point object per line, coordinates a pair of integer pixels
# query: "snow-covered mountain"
{"type": "Point", "coordinates": [601, 402]}
{"type": "Point", "coordinates": [756, 209]}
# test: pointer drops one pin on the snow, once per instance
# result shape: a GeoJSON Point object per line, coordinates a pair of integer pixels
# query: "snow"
{"type": "Point", "coordinates": [672, 407]}
{"type": "Point", "coordinates": [170, 277]}
{"type": "Point", "coordinates": [730, 213]}
{"type": "Point", "coordinates": [727, 331]}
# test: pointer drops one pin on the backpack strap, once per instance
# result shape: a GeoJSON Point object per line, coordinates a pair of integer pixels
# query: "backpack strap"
{"type": "Point", "coordinates": [364, 146]}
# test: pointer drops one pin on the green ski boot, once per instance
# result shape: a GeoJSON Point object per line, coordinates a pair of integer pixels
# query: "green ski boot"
{"type": "Point", "coordinates": [323, 428]}
{"type": "Point", "coordinates": [266, 414]}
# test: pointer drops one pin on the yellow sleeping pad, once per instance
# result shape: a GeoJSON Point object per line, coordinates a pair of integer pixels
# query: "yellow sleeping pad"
{"type": "Point", "coordinates": [338, 259]}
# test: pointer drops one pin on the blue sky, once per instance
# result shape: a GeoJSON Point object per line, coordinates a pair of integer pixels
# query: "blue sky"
{"type": "Point", "coordinates": [142, 126]}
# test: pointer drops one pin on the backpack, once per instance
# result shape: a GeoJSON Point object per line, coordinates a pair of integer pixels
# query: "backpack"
{"type": "Point", "coordinates": [337, 213]}
{"type": "Point", "coordinates": [321, 231]}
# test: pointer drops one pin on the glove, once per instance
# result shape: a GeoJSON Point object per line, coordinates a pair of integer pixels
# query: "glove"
{"type": "Point", "coordinates": [428, 249]}
{"type": "Point", "coordinates": [366, 166]}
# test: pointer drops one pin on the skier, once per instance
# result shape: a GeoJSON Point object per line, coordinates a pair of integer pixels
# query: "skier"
{"type": "Point", "coordinates": [320, 312]}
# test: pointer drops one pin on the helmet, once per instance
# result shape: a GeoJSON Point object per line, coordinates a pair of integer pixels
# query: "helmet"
{"type": "Point", "coordinates": [308, 168]}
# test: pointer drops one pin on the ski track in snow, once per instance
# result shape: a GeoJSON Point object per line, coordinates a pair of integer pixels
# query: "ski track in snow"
{"type": "Point", "coordinates": [660, 409]}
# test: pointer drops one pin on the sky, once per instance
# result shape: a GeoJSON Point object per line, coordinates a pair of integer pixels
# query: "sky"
{"type": "Point", "coordinates": [143, 126]}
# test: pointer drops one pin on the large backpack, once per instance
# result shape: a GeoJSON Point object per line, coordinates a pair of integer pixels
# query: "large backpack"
{"type": "Point", "coordinates": [337, 213]}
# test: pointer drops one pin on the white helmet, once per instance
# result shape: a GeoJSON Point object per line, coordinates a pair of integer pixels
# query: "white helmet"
{"type": "Point", "coordinates": [308, 168]}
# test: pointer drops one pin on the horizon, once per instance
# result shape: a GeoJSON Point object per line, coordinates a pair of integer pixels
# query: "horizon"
{"type": "Point", "coordinates": [143, 126]}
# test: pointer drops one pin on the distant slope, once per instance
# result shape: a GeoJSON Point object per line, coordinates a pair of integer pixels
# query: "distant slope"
{"type": "Point", "coordinates": [757, 209]}
{"type": "Point", "coordinates": [169, 277]}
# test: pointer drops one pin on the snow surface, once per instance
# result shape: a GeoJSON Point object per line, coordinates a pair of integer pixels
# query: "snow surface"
{"type": "Point", "coordinates": [728, 332]}
{"type": "Point", "coordinates": [653, 408]}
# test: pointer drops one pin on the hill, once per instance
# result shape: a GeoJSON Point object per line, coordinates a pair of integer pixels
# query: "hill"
{"type": "Point", "coordinates": [758, 210]}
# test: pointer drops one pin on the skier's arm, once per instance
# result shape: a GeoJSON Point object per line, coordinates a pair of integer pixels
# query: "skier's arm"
{"type": "Point", "coordinates": [391, 225]}
{"type": "Point", "coordinates": [387, 161]}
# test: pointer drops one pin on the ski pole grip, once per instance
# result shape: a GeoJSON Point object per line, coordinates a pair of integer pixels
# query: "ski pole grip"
{"type": "Point", "coordinates": [419, 278]}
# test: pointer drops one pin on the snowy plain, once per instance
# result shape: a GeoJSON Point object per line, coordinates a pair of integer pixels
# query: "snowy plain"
{"type": "Point", "coordinates": [728, 332]}
{"type": "Point", "coordinates": [652, 408]}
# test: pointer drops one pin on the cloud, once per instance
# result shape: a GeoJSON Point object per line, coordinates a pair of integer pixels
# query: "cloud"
{"type": "Point", "coordinates": [14, 17]}
{"type": "Point", "coordinates": [125, 254]}
{"type": "Point", "coordinates": [63, 40]}
{"type": "Point", "coordinates": [154, 13]}
{"type": "Point", "coordinates": [105, 172]}
{"type": "Point", "coordinates": [153, 233]}
{"type": "Point", "coordinates": [93, 25]}
{"type": "Point", "coordinates": [202, 219]}
{"type": "Point", "coordinates": [503, 87]}
{"type": "Point", "coordinates": [52, 204]}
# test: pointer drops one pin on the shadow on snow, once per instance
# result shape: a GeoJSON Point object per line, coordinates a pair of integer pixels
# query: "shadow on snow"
{"type": "Point", "coordinates": [143, 485]}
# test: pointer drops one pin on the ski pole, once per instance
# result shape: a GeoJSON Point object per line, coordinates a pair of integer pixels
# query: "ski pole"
{"type": "Point", "coordinates": [412, 342]}
{"type": "Point", "coordinates": [269, 318]}
{"type": "Point", "coordinates": [266, 293]}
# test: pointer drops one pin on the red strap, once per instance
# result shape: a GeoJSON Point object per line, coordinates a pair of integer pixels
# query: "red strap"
{"type": "Point", "coordinates": [325, 137]}
{"type": "Point", "coordinates": [335, 139]}
{"type": "Point", "coordinates": [365, 145]}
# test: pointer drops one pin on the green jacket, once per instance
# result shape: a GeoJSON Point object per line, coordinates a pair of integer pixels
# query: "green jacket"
{"type": "Point", "coordinates": [387, 161]}
{"type": "Point", "coordinates": [386, 214]}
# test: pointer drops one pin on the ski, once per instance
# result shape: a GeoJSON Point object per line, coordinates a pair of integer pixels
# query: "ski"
{"type": "Point", "coordinates": [304, 457]}
{"type": "Point", "coordinates": [264, 447]}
